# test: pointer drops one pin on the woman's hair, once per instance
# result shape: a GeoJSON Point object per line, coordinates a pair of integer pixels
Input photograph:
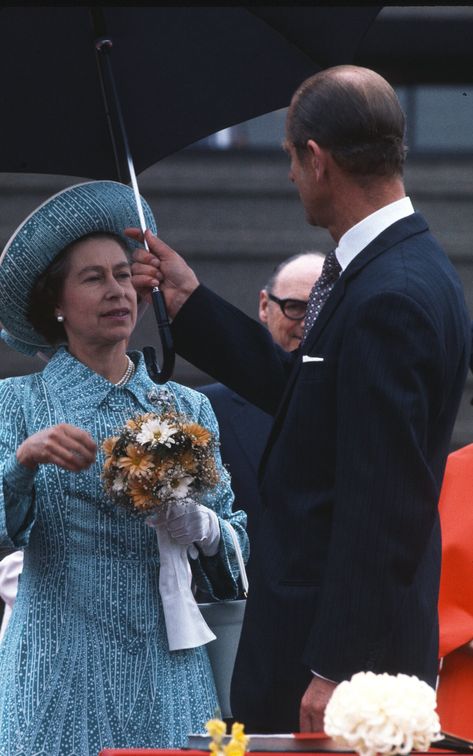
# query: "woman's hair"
{"type": "Point", "coordinates": [358, 118]}
{"type": "Point", "coordinates": [48, 287]}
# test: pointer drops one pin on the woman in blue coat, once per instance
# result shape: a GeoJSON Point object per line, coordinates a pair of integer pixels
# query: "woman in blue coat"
{"type": "Point", "coordinates": [86, 661]}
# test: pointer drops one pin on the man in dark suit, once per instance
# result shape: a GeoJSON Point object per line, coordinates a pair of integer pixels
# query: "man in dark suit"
{"type": "Point", "coordinates": [244, 428]}
{"type": "Point", "coordinates": [348, 551]}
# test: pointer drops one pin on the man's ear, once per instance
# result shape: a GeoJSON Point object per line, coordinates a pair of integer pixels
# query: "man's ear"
{"type": "Point", "coordinates": [317, 157]}
{"type": "Point", "coordinates": [263, 306]}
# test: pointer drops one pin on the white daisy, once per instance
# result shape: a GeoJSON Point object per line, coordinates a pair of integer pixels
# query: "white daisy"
{"type": "Point", "coordinates": [178, 488]}
{"type": "Point", "coordinates": [156, 432]}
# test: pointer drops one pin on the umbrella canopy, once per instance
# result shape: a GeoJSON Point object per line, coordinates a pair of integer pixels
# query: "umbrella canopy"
{"type": "Point", "coordinates": [182, 73]}
{"type": "Point", "coordinates": [162, 78]}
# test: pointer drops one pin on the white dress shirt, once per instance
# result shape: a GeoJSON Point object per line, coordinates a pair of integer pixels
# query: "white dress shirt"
{"type": "Point", "coordinates": [359, 236]}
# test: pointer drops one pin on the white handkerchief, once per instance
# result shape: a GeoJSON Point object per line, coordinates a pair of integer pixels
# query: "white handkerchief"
{"type": "Point", "coordinates": [185, 626]}
{"type": "Point", "coordinates": [308, 358]}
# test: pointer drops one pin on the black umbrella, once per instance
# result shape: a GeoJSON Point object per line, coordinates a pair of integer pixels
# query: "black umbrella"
{"type": "Point", "coordinates": [182, 73]}
{"type": "Point", "coordinates": [85, 89]}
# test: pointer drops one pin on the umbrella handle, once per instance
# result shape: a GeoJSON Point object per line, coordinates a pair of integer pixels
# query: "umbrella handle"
{"type": "Point", "coordinates": [149, 354]}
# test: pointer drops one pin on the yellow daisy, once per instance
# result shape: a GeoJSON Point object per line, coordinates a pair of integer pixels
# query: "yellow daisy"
{"type": "Point", "coordinates": [133, 424]}
{"type": "Point", "coordinates": [137, 462]}
{"type": "Point", "coordinates": [200, 436]}
{"type": "Point", "coordinates": [108, 445]}
{"type": "Point", "coordinates": [141, 496]}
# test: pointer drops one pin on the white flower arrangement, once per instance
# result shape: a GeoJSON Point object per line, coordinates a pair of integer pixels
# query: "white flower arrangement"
{"type": "Point", "coordinates": [383, 714]}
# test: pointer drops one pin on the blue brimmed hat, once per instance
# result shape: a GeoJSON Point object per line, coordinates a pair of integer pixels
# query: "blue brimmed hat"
{"type": "Point", "coordinates": [81, 209]}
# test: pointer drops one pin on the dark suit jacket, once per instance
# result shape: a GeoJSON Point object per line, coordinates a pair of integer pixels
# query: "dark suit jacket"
{"type": "Point", "coordinates": [244, 431]}
{"type": "Point", "coordinates": [346, 563]}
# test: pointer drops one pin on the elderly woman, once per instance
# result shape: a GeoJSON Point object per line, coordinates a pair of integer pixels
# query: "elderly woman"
{"type": "Point", "coordinates": [86, 661]}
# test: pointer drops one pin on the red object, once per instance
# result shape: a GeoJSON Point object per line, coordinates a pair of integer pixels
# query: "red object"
{"type": "Point", "coordinates": [455, 689]}
{"type": "Point", "coordinates": [149, 752]}
{"type": "Point", "coordinates": [189, 752]}
{"type": "Point", "coordinates": [456, 583]}
{"type": "Point", "coordinates": [185, 752]}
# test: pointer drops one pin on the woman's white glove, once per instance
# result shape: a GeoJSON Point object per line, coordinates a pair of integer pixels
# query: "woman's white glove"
{"type": "Point", "coordinates": [178, 528]}
{"type": "Point", "coordinates": [190, 523]}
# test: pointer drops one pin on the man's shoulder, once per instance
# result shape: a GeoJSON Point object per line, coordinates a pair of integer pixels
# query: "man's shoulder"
{"type": "Point", "coordinates": [407, 252]}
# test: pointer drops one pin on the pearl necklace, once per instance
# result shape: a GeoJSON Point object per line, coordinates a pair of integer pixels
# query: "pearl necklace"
{"type": "Point", "coordinates": [130, 369]}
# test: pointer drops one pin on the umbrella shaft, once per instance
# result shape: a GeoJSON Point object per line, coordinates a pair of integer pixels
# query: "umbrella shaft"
{"type": "Point", "coordinates": [103, 47]}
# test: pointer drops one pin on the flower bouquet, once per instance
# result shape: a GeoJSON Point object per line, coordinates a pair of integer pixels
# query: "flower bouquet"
{"type": "Point", "coordinates": [157, 462]}
{"type": "Point", "coordinates": [383, 714]}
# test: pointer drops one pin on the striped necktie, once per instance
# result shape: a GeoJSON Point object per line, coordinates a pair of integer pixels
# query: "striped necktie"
{"type": "Point", "coordinates": [321, 289]}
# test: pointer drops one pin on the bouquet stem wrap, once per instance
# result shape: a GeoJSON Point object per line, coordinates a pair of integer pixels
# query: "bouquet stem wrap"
{"type": "Point", "coordinates": [185, 626]}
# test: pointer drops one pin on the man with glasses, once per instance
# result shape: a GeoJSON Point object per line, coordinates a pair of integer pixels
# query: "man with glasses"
{"type": "Point", "coordinates": [244, 428]}
{"type": "Point", "coordinates": [283, 301]}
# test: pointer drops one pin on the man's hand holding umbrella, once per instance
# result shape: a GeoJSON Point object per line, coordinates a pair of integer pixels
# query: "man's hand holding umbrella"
{"type": "Point", "coordinates": [161, 266]}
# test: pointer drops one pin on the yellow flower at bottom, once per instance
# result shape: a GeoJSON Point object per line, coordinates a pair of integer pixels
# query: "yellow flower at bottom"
{"type": "Point", "coordinates": [239, 741]}
{"type": "Point", "coordinates": [234, 748]}
{"type": "Point", "coordinates": [216, 728]}
{"type": "Point", "coordinates": [238, 731]}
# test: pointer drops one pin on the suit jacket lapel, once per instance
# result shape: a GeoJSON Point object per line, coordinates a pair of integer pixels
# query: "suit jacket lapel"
{"type": "Point", "coordinates": [397, 232]}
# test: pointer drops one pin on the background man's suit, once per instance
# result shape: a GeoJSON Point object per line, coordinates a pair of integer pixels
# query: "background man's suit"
{"type": "Point", "coordinates": [244, 431]}
{"type": "Point", "coordinates": [348, 549]}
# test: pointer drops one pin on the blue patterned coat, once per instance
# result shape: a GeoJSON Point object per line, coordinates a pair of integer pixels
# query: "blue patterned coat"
{"type": "Point", "coordinates": [84, 663]}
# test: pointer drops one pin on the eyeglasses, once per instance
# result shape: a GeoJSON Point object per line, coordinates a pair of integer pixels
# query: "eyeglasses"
{"type": "Point", "coordinates": [294, 309]}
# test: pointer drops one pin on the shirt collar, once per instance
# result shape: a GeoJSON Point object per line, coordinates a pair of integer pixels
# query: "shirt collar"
{"type": "Point", "coordinates": [359, 236]}
{"type": "Point", "coordinates": [79, 386]}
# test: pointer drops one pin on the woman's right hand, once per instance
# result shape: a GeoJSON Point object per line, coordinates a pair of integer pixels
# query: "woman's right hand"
{"type": "Point", "coordinates": [64, 445]}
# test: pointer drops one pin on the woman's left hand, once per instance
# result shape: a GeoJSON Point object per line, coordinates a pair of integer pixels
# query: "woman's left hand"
{"type": "Point", "coordinates": [190, 523]}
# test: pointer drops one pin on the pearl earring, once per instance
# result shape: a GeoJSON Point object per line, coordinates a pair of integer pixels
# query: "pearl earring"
{"type": "Point", "coordinates": [60, 318]}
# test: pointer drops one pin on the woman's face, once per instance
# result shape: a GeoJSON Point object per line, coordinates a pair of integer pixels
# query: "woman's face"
{"type": "Point", "coordinates": [98, 301]}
